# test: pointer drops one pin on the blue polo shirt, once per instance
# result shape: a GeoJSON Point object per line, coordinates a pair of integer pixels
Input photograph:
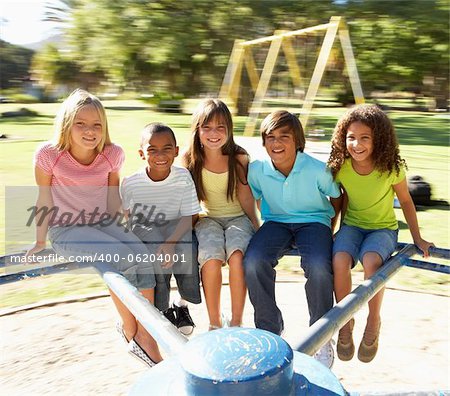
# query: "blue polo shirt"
{"type": "Point", "coordinates": [301, 197]}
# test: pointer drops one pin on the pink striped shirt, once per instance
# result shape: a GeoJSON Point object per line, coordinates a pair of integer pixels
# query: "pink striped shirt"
{"type": "Point", "coordinates": [78, 189]}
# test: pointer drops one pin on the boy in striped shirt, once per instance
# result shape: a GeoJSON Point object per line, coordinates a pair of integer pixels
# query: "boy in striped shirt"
{"type": "Point", "coordinates": [162, 203]}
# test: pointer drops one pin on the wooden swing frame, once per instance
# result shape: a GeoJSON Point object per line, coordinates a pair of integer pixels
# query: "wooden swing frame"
{"type": "Point", "coordinates": [242, 55]}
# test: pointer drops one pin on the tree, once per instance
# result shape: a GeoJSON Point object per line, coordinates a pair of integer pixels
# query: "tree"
{"type": "Point", "coordinates": [59, 12]}
{"type": "Point", "coordinates": [402, 45]}
{"type": "Point", "coordinates": [14, 64]}
{"type": "Point", "coordinates": [53, 70]}
{"type": "Point", "coordinates": [178, 42]}
{"type": "Point", "coordinates": [184, 46]}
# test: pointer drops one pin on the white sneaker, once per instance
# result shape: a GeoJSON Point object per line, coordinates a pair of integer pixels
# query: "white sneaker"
{"type": "Point", "coordinates": [325, 355]}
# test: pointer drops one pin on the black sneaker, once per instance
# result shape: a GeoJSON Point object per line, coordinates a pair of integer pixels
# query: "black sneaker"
{"type": "Point", "coordinates": [170, 315]}
{"type": "Point", "coordinates": [184, 321]}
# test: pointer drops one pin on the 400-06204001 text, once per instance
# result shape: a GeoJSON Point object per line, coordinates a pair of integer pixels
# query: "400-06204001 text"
{"type": "Point", "coordinates": [102, 257]}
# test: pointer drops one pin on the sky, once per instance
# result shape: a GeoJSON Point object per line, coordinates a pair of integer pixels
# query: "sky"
{"type": "Point", "coordinates": [21, 21]}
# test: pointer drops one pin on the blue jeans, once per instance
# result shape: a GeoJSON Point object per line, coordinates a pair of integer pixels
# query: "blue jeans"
{"type": "Point", "coordinates": [185, 271]}
{"type": "Point", "coordinates": [125, 251]}
{"type": "Point", "coordinates": [314, 243]}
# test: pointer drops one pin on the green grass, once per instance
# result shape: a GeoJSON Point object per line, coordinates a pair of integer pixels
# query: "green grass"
{"type": "Point", "coordinates": [50, 288]}
{"type": "Point", "coordinates": [423, 137]}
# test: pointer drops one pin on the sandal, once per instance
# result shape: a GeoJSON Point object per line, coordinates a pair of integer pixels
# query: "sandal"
{"type": "Point", "coordinates": [136, 350]}
{"type": "Point", "coordinates": [213, 327]}
{"type": "Point", "coordinates": [368, 349]}
{"type": "Point", "coordinates": [345, 346]}
{"type": "Point", "coordinates": [119, 328]}
{"type": "Point", "coordinates": [223, 320]}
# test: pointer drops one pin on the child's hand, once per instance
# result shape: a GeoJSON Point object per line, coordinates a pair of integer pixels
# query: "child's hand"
{"type": "Point", "coordinates": [424, 246]}
{"type": "Point", "coordinates": [38, 247]}
{"type": "Point", "coordinates": [256, 225]}
{"type": "Point", "coordinates": [167, 252]}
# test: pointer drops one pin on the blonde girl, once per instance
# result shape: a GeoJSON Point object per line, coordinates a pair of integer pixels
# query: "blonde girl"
{"type": "Point", "coordinates": [365, 160]}
{"type": "Point", "coordinates": [78, 179]}
{"type": "Point", "coordinates": [219, 169]}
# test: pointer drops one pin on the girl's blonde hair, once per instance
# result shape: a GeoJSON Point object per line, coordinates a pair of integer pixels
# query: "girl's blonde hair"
{"type": "Point", "coordinates": [194, 158]}
{"type": "Point", "coordinates": [386, 153]}
{"type": "Point", "coordinates": [67, 112]}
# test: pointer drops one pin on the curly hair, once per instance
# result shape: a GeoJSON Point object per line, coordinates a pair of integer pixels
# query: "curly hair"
{"type": "Point", "coordinates": [385, 155]}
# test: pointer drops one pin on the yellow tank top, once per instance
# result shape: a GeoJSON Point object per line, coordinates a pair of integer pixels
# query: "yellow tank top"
{"type": "Point", "coordinates": [216, 203]}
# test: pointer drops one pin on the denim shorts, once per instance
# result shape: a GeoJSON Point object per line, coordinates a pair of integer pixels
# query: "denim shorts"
{"type": "Point", "coordinates": [358, 241]}
{"type": "Point", "coordinates": [219, 237]}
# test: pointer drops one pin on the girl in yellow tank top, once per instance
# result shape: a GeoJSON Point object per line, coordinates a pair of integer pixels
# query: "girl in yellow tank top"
{"type": "Point", "coordinates": [217, 203]}
{"type": "Point", "coordinates": [219, 169]}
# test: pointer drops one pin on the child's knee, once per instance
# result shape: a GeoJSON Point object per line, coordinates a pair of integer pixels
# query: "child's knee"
{"type": "Point", "coordinates": [252, 260]}
{"type": "Point", "coordinates": [320, 272]}
{"type": "Point", "coordinates": [342, 261]}
{"type": "Point", "coordinates": [371, 261]}
{"type": "Point", "coordinates": [317, 267]}
{"type": "Point", "coordinates": [236, 258]}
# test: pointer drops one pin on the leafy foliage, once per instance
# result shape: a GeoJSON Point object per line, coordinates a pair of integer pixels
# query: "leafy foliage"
{"type": "Point", "coordinates": [184, 46]}
{"type": "Point", "coordinates": [14, 64]}
{"type": "Point", "coordinates": [402, 45]}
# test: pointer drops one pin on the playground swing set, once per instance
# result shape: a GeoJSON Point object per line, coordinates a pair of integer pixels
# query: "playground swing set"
{"type": "Point", "coordinates": [242, 55]}
{"type": "Point", "coordinates": [240, 361]}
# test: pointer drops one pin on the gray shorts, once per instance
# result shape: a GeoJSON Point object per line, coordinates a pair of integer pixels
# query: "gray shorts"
{"type": "Point", "coordinates": [219, 237]}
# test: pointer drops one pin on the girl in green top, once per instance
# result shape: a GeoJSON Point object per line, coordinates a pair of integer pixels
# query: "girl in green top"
{"type": "Point", "coordinates": [365, 160]}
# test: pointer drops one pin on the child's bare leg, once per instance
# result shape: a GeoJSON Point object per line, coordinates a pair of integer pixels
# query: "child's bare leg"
{"type": "Point", "coordinates": [342, 265]}
{"type": "Point", "coordinates": [143, 338]}
{"type": "Point", "coordinates": [212, 283]}
{"type": "Point", "coordinates": [342, 280]}
{"type": "Point", "coordinates": [129, 323]}
{"type": "Point", "coordinates": [238, 288]}
{"type": "Point", "coordinates": [371, 263]}
{"type": "Point", "coordinates": [133, 329]}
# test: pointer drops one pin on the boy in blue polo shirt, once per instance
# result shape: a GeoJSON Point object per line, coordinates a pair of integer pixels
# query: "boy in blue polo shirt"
{"type": "Point", "coordinates": [293, 190]}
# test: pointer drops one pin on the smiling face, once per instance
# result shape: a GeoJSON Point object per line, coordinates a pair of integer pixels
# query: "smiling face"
{"type": "Point", "coordinates": [281, 147]}
{"type": "Point", "coordinates": [159, 152]}
{"type": "Point", "coordinates": [87, 130]}
{"type": "Point", "coordinates": [213, 134]}
{"type": "Point", "coordinates": [359, 142]}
